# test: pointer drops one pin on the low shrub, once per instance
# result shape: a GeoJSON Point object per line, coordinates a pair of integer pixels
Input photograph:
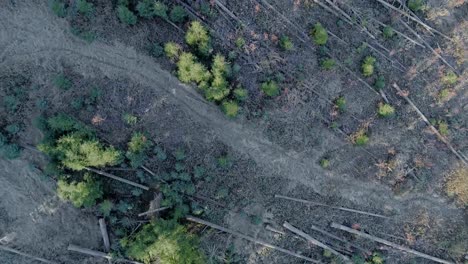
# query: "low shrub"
{"type": "Point", "coordinates": [230, 108]}
{"type": "Point", "coordinates": [457, 185]}
{"type": "Point", "coordinates": [197, 36]}
{"type": "Point", "coordinates": [270, 88]}
{"type": "Point", "coordinates": [11, 103]}
{"type": "Point", "coordinates": [13, 129]}
{"type": "Point", "coordinates": [380, 82]}
{"type": "Point", "coordinates": [106, 207]}
{"type": "Point", "coordinates": [286, 44]}
{"type": "Point", "coordinates": [241, 94]}
{"type": "Point", "coordinates": [172, 50]}
{"type": "Point", "coordinates": [368, 66]}
{"type": "Point", "coordinates": [324, 163]}
{"type": "Point", "coordinates": [450, 78]}
{"type": "Point", "coordinates": [165, 242]}
{"type": "Point", "coordinates": [385, 110]}
{"type": "Point", "coordinates": [340, 103]}
{"type": "Point", "coordinates": [240, 42]}
{"type": "Point", "coordinates": [130, 119]}
{"type": "Point", "coordinates": [84, 193]}
{"type": "Point", "coordinates": [361, 138]}
{"type": "Point", "coordinates": [10, 151]}
{"type": "Point", "coordinates": [157, 50]}
{"type": "Point", "coordinates": [443, 128]}
{"type": "Point", "coordinates": [58, 7]}
{"type": "Point", "coordinates": [319, 34]}
{"type": "Point", "coordinates": [160, 9]}
{"type": "Point", "coordinates": [137, 149]}
{"type": "Point", "coordinates": [416, 5]}
{"type": "Point", "coordinates": [388, 32]}
{"type": "Point", "coordinates": [327, 64]}
{"type": "Point", "coordinates": [126, 16]}
{"type": "Point", "coordinates": [85, 8]}
{"type": "Point", "coordinates": [62, 82]}
{"type": "Point", "coordinates": [145, 8]}
{"type": "Point", "coordinates": [178, 14]}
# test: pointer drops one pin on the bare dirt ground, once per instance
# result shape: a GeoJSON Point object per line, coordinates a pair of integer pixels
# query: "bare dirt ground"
{"type": "Point", "coordinates": [34, 42]}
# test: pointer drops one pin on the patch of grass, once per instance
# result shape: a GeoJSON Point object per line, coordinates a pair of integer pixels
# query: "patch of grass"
{"type": "Point", "coordinates": [58, 7]}
{"type": "Point", "coordinates": [178, 14]}
{"type": "Point", "coordinates": [240, 42]}
{"type": "Point", "coordinates": [270, 88]}
{"type": "Point", "coordinates": [388, 32]}
{"type": "Point", "coordinates": [160, 9]}
{"type": "Point", "coordinates": [286, 43]}
{"type": "Point", "coordinates": [450, 78]}
{"type": "Point", "coordinates": [340, 103]}
{"type": "Point", "coordinates": [130, 119]}
{"type": "Point", "coordinates": [319, 34]}
{"type": "Point", "coordinates": [172, 50]}
{"type": "Point", "coordinates": [230, 108]}
{"type": "Point", "coordinates": [457, 185]}
{"type": "Point", "coordinates": [62, 82]}
{"type": "Point", "coordinates": [385, 110]}
{"type": "Point", "coordinates": [126, 16]}
{"type": "Point", "coordinates": [416, 5]}
{"type": "Point", "coordinates": [367, 66]}
{"type": "Point", "coordinates": [327, 64]}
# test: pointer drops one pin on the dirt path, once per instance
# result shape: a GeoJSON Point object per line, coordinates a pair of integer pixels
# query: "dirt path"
{"type": "Point", "coordinates": [31, 36]}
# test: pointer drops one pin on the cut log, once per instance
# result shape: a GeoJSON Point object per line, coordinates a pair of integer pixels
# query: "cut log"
{"type": "Point", "coordinates": [333, 207]}
{"type": "Point", "coordinates": [14, 251]}
{"type": "Point", "coordinates": [365, 251]}
{"type": "Point", "coordinates": [388, 243]}
{"type": "Point", "coordinates": [98, 254]}
{"type": "Point", "coordinates": [314, 241]}
{"type": "Point", "coordinates": [248, 238]}
{"type": "Point", "coordinates": [153, 211]}
{"type": "Point", "coordinates": [103, 173]}
{"type": "Point", "coordinates": [433, 129]}
{"type": "Point", "coordinates": [105, 236]}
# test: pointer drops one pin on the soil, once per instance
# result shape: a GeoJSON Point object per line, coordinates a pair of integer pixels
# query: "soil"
{"type": "Point", "coordinates": [275, 145]}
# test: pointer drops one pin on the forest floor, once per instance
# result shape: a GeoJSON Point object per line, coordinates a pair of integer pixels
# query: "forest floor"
{"type": "Point", "coordinates": [274, 147]}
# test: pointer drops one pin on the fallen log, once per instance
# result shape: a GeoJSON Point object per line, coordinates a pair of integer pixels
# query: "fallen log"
{"type": "Point", "coordinates": [388, 243]}
{"type": "Point", "coordinates": [98, 254]}
{"type": "Point", "coordinates": [365, 251]}
{"type": "Point", "coordinates": [105, 235]}
{"type": "Point", "coordinates": [14, 251]}
{"type": "Point", "coordinates": [330, 206]}
{"type": "Point", "coordinates": [117, 178]}
{"type": "Point", "coordinates": [251, 239]}
{"type": "Point", "coordinates": [315, 241]}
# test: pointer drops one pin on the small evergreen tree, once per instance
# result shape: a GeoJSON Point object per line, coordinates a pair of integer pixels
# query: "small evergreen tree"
{"type": "Point", "coordinates": [137, 149]}
{"type": "Point", "coordinates": [385, 110]}
{"type": "Point", "coordinates": [319, 34]}
{"type": "Point", "coordinates": [145, 8]}
{"type": "Point", "coordinates": [240, 93]}
{"type": "Point", "coordinates": [165, 242]}
{"type": "Point", "coordinates": [368, 66]}
{"type": "Point", "coordinates": [286, 43]}
{"type": "Point", "coordinates": [230, 108]}
{"type": "Point", "coordinates": [270, 88]}
{"type": "Point", "coordinates": [172, 50]}
{"type": "Point", "coordinates": [84, 193]}
{"type": "Point", "coordinates": [85, 8]}
{"type": "Point", "coordinates": [327, 64]}
{"type": "Point", "coordinates": [126, 16]}
{"type": "Point", "coordinates": [197, 36]}
{"type": "Point", "coordinates": [160, 9]}
{"type": "Point", "coordinates": [178, 14]}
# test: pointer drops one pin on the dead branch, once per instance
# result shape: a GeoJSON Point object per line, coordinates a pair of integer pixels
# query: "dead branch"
{"type": "Point", "coordinates": [98, 254]}
{"type": "Point", "coordinates": [367, 252]}
{"type": "Point", "coordinates": [314, 241]}
{"type": "Point", "coordinates": [251, 239]}
{"type": "Point", "coordinates": [415, 19]}
{"type": "Point", "coordinates": [388, 243]}
{"type": "Point", "coordinates": [433, 129]}
{"type": "Point", "coordinates": [274, 230]}
{"type": "Point", "coordinates": [330, 206]}
{"type": "Point", "coordinates": [105, 236]}
{"type": "Point", "coordinates": [428, 46]}
{"type": "Point", "coordinates": [14, 251]}
{"type": "Point", "coordinates": [153, 211]}
{"type": "Point", "coordinates": [103, 173]}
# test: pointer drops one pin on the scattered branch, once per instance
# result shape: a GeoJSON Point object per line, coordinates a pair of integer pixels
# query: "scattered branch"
{"type": "Point", "coordinates": [388, 243]}
{"type": "Point", "coordinates": [333, 207]}
{"type": "Point", "coordinates": [103, 173]}
{"type": "Point", "coordinates": [251, 239]}
{"type": "Point", "coordinates": [314, 241]}
{"type": "Point", "coordinates": [98, 254]}
{"type": "Point", "coordinates": [153, 211]}
{"type": "Point", "coordinates": [14, 251]}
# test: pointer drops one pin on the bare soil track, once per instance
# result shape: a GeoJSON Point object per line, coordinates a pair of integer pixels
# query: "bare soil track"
{"type": "Point", "coordinates": [31, 37]}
